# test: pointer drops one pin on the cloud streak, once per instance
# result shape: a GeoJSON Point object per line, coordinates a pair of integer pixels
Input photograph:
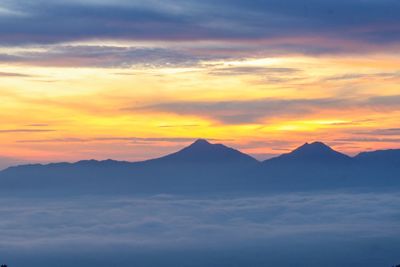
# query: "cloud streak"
{"type": "Point", "coordinates": [13, 74]}
{"type": "Point", "coordinates": [105, 56]}
{"type": "Point", "coordinates": [26, 130]}
{"type": "Point", "coordinates": [254, 111]}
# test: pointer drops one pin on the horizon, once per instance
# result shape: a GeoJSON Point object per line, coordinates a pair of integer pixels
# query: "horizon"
{"type": "Point", "coordinates": [195, 141]}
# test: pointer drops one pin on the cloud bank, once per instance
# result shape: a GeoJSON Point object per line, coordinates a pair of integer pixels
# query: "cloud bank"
{"type": "Point", "coordinates": [183, 32]}
{"type": "Point", "coordinates": [28, 21]}
{"type": "Point", "coordinates": [153, 227]}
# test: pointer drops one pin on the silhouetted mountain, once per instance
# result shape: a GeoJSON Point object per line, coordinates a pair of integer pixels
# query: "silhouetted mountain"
{"type": "Point", "coordinates": [379, 168]}
{"type": "Point", "coordinates": [390, 156]}
{"type": "Point", "coordinates": [310, 166]}
{"type": "Point", "coordinates": [316, 152]}
{"type": "Point", "coordinates": [203, 167]}
{"type": "Point", "coordinates": [201, 151]}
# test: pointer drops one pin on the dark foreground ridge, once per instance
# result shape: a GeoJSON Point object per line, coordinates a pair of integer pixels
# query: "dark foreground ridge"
{"type": "Point", "coordinates": [203, 167]}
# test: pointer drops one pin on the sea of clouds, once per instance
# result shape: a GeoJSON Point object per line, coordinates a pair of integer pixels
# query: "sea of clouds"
{"type": "Point", "coordinates": [302, 229]}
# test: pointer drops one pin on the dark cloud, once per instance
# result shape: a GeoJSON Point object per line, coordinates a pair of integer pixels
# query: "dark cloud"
{"type": "Point", "coordinates": [52, 22]}
{"type": "Point", "coordinates": [48, 21]}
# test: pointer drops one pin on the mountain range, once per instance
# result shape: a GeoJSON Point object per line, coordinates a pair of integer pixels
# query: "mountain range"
{"type": "Point", "coordinates": [203, 167]}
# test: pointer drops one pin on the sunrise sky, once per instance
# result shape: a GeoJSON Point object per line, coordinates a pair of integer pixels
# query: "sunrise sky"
{"type": "Point", "coordinates": [132, 80]}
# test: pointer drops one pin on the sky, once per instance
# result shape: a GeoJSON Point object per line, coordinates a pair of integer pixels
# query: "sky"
{"type": "Point", "coordinates": [132, 80]}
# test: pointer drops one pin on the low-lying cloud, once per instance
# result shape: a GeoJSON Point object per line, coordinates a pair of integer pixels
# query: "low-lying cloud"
{"type": "Point", "coordinates": [154, 224]}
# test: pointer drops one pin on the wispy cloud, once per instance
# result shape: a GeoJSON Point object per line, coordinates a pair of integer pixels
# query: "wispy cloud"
{"type": "Point", "coordinates": [14, 74]}
{"type": "Point", "coordinates": [253, 111]}
{"type": "Point", "coordinates": [252, 71]}
{"type": "Point", "coordinates": [26, 130]}
{"type": "Point", "coordinates": [355, 76]}
{"type": "Point", "coordinates": [388, 132]}
{"type": "Point", "coordinates": [237, 112]}
{"type": "Point", "coordinates": [106, 56]}
{"type": "Point", "coordinates": [37, 125]}
{"type": "Point", "coordinates": [369, 140]}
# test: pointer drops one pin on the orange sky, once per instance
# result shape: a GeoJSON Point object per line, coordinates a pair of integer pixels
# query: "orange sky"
{"type": "Point", "coordinates": [132, 80]}
{"type": "Point", "coordinates": [263, 106]}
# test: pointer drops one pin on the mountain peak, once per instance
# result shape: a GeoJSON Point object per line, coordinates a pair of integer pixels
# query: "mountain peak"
{"type": "Point", "coordinates": [203, 151]}
{"type": "Point", "coordinates": [314, 147]}
{"type": "Point", "coordinates": [200, 142]}
{"type": "Point", "coordinates": [315, 151]}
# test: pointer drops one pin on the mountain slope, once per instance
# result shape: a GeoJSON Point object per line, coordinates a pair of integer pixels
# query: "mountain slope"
{"type": "Point", "coordinates": [201, 151]}
{"type": "Point", "coordinates": [381, 167]}
{"type": "Point", "coordinates": [310, 166]}
{"type": "Point", "coordinates": [316, 152]}
{"type": "Point", "coordinates": [389, 157]}
{"type": "Point", "coordinates": [201, 166]}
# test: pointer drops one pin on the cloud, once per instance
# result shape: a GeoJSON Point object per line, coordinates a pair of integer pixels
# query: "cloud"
{"type": "Point", "coordinates": [179, 126]}
{"type": "Point", "coordinates": [353, 22]}
{"type": "Point", "coordinates": [369, 140]}
{"type": "Point", "coordinates": [163, 224]}
{"type": "Point", "coordinates": [383, 102]}
{"type": "Point", "coordinates": [388, 132]}
{"type": "Point", "coordinates": [38, 125]}
{"type": "Point", "coordinates": [355, 76]}
{"type": "Point", "coordinates": [253, 70]}
{"type": "Point", "coordinates": [237, 112]}
{"type": "Point", "coordinates": [26, 130]}
{"type": "Point", "coordinates": [105, 56]}
{"type": "Point", "coordinates": [258, 110]}
{"type": "Point", "coordinates": [13, 74]}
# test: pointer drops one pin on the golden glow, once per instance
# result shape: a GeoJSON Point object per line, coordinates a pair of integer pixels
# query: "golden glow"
{"type": "Point", "coordinates": [67, 113]}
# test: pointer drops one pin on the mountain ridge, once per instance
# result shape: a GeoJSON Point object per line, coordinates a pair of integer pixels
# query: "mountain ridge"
{"type": "Point", "coordinates": [205, 167]}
